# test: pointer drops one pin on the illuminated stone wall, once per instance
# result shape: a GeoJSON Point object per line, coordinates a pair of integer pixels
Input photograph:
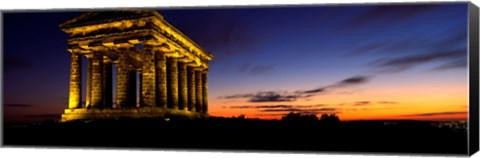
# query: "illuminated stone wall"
{"type": "Point", "coordinates": [172, 68]}
{"type": "Point", "coordinates": [75, 96]}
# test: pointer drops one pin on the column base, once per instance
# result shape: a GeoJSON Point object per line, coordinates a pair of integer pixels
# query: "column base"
{"type": "Point", "coordinates": [114, 113]}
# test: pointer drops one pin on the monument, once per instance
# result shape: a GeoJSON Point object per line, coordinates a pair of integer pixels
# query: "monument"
{"type": "Point", "coordinates": [149, 54]}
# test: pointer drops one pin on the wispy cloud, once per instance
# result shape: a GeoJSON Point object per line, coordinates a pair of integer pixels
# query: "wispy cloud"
{"type": "Point", "coordinates": [362, 103]}
{"type": "Point", "coordinates": [406, 62]}
{"type": "Point", "coordinates": [431, 43]}
{"type": "Point", "coordinates": [353, 81]}
{"type": "Point", "coordinates": [418, 59]}
{"type": "Point", "coordinates": [387, 102]}
{"type": "Point", "coordinates": [13, 63]}
{"type": "Point", "coordinates": [231, 36]}
{"type": "Point", "coordinates": [18, 105]}
{"type": "Point", "coordinates": [269, 96]}
{"type": "Point", "coordinates": [255, 69]}
{"type": "Point", "coordinates": [270, 114]}
{"type": "Point", "coordinates": [277, 96]}
{"type": "Point", "coordinates": [276, 106]}
{"type": "Point", "coordinates": [449, 49]}
{"type": "Point", "coordinates": [460, 63]}
{"type": "Point", "coordinates": [343, 83]}
{"type": "Point", "coordinates": [438, 113]}
{"type": "Point", "coordinates": [385, 15]}
{"type": "Point", "coordinates": [304, 109]}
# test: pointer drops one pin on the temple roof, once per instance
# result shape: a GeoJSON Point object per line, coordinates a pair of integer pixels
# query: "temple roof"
{"type": "Point", "coordinates": [98, 17]}
{"type": "Point", "coordinates": [75, 27]}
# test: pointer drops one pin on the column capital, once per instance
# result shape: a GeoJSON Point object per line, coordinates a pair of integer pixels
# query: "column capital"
{"type": "Point", "coordinates": [112, 45]}
{"type": "Point", "coordinates": [163, 47]}
{"type": "Point", "coordinates": [195, 68]}
{"type": "Point", "coordinates": [73, 52]}
{"type": "Point", "coordinates": [78, 51]}
{"type": "Point", "coordinates": [185, 59]}
{"type": "Point", "coordinates": [107, 60]}
{"type": "Point", "coordinates": [89, 56]}
{"type": "Point", "coordinates": [119, 48]}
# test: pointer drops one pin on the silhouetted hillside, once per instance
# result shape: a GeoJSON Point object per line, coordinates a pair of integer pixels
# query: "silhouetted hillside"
{"type": "Point", "coordinates": [241, 133]}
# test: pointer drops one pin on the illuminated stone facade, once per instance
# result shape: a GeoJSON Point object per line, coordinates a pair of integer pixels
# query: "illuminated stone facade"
{"type": "Point", "coordinates": [170, 67]}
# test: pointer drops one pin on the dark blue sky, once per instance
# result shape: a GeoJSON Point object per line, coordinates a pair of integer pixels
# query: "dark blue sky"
{"type": "Point", "coordinates": [277, 49]}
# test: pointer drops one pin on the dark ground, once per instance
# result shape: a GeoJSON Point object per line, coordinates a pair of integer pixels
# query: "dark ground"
{"type": "Point", "coordinates": [244, 134]}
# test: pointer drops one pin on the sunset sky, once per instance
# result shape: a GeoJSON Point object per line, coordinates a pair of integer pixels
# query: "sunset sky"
{"type": "Point", "coordinates": [361, 62]}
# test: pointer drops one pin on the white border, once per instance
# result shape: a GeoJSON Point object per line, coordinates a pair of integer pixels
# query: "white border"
{"type": "Point", "coordinates": [11, 5]}
{"type": "Point", "coordinates": [85, 4]}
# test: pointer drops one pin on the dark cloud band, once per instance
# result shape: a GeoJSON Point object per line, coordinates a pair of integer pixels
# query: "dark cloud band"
{"type": "Point", "coordinates": [275, 96]}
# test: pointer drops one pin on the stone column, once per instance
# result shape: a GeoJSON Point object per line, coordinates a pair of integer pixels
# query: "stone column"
{"type": "Point", "coordinates": [75, 94]}
{"type": "Point", "coordinates": [161, 70]}
{"type": "Point", "coordinates": [148, 77]}
{"type": "Point", "coordinates": [122, 81]}
{"type": "Point", "coordinates": [88, 97]}
{"type": "Point", "coordinates": [205, 91]}
{"type": "Point", "coordinates": [199, 90]}
{"type": "Point", "coordinates": [191, 88]}
{"type": "Point", "coordinates": [97, 80]}
{"type": "Point", "coordinates": [107, 82]}
{"type": "Point", "coordinates": [182, 86]}
{"type": "Point", "coordinates": [172, 82]}
{"type": "Point", "coordinates": [132, 87]}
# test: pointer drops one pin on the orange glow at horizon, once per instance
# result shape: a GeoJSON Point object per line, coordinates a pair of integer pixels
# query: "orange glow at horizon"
{"type": "Point", "coordinates": [420, 101]}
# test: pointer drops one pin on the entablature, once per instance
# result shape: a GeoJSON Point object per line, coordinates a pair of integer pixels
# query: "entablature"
{"type": "Point", "coordinates": [146, 27]}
